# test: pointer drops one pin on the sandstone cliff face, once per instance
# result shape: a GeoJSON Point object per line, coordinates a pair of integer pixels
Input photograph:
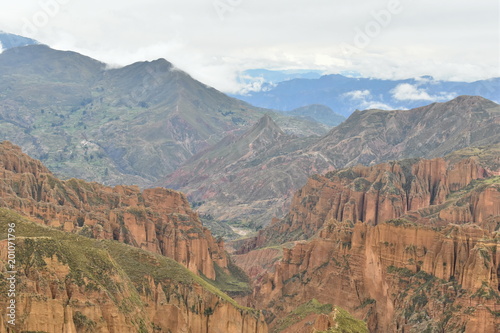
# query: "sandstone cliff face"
{"type": "Point", "coordinates": [407, 246]}
{"type": "Point", "coordinates": [158, 220]}
{"type": "Point", "coordinates": [394, 277]}
{"type": "Point", "coordinates": [383, 192]}
{"type": "Point", "coordinates": [67, 283]}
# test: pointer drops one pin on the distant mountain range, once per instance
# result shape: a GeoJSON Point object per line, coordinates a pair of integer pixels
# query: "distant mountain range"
{"type": "Point", "coordinates": [252, 177]}
{"type": "Point", "coordinates": [261, 79]}
{"type": "Point", "coordinates": [344, 94]}
{"type": "Point", "coordinates": [387, 222]}
{"type": "Point", "coordinates": [130, 125]}
{"type": "Point", "coordinates": [151, 124]}
{"type": "Point", "coordinates": [8, 41]}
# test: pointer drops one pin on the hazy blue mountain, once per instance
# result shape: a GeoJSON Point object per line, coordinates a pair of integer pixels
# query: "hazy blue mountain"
{"type": "Point", "coordinates": [319, 113]}
{"type": "Point", "coordinates": [346, 94]}
{"type": "Point", "coordinates": [276, 76]}
{"type": "Point", "coordinates": [9, 41]}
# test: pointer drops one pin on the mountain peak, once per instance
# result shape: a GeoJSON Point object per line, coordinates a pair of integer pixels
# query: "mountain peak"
{"type": "Point", "coordinates": [266, 120]}
{"type": "Point", "coordinates": [462, 104]}
{"type": "Point", "coordinates": [50, 64]}
{"type": "Point", "coordinates": [8, 41]}
{"type": "Point", "coordinates": [160, 64]}
{"type": "Point", "coordinates": [471, 99]}
{"type": "Point", "coordinates": [318, 112]}
{"type": "Point", "coordinates": [13, 159]}
{"type": "Point", "coordinates": [266, 124]}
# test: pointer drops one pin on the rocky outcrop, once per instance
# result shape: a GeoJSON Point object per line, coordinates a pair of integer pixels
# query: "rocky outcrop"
{"type": "Point", "coordinates": [394, 277]}
{"type": "Point", "coordinates": [408, 246]}
{"type": "Point", "coordinates": [68, 283]}
{"type": "Point", "coordinates": [158, 220]}
{"type": "Point", "coordinates": [387, 191]}
{"type": "Point", "coordinates": [234, 180]}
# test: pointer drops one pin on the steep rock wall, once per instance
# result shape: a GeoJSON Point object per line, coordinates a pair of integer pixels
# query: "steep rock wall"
{"type": "Point", "coordinates": [158, 220]}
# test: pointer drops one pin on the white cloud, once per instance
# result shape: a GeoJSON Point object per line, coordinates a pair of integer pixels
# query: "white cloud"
{"type": "Point", "coordinates": [376, 105]}
{"type": "Point", "coordinates": [357, 94]}
{"type": "Point", "coordinates": [408, 92]}
{"type": "Point", "coordinates": [424, 79]}
{"type": "Point", "coordinates": [426, 38]}
{"type": "Point", "coordinates": [1, 47]}
{"type": "Point", "coordinates": [363, 99]}
{"type": "Point", "coordinates": [249, 84]}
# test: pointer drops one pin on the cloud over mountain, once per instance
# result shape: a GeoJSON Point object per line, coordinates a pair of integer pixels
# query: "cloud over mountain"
{"type": "Point", "coordinates": [409, 92]}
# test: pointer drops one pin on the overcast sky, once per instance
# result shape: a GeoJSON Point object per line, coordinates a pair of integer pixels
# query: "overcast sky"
{"type": "Point", "coordinates": [214, 39]}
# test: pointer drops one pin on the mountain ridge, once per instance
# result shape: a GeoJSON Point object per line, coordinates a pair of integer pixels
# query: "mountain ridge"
{"type": "Point", "coordinates": [131, 125]}
{"type": "Point", "coordinates": [261, 186]}
{"type": "Point", "coordinates": [345, 94]}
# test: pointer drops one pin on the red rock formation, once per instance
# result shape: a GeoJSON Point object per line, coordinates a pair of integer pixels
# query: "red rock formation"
{"type": "Point", "coordinates": [378, 193]}
{"type": "Point", "coordinates": [158, 220]}
{"type": "Point", "coordinates": [364, 268]}
{"type": "Point", "coordinates": [51, 298]}
{"type": "Point", "coordinates": [407, 246]}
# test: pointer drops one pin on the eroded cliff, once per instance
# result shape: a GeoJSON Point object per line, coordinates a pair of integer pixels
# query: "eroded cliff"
{"type": "Point", "coordinates": [158, 220]}
{"type": "Point", "coordinates": [408, 246]}
{"type": "Point", "coordinates": [387, 191]}
{"type": "Point", "coordinates": [69, 283]}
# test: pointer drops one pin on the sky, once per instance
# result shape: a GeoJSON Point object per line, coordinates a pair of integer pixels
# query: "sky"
{"type": "Point", "coordinates": [215, 40]}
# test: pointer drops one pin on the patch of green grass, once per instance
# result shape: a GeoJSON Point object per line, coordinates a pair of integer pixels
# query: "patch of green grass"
{"type": "Point", "coordinates": [302, 311]}
{"type": "Point", "coordinates": [361, 184]}
{"type": "Point", "coordinates": [343, 173]}
{"type": "Point", "coordinates": [365, 303]}
{"type": "Point", "coordinates": [82, 323]}
{"type": "Point", "coordinates": [487, 155]}
{"type": "Point", "coordinates": [476, 185]}
{"type": "Point", "coordinates": [92, 262]}
{"type": "Point", "coordinates": [234, 283]}
{"type": "Point", "coordinates": [486, 292]}
{"type": "Point", "coordinates": [400, 222]}
{"type": "Point", "coordinates": [401, 271]}
{"type": "Point", "coordinates": [346, 323]}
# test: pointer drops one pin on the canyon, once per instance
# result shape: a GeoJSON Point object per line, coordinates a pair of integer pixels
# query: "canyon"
{"type": "Point", "coordinates": [69, 283]}
{"type": "Point", "coordinates": [253, 177]}
{"type": "Point", "coordinates": [407, 246]}
{"type": "Point", "coordinates": [113, 259]}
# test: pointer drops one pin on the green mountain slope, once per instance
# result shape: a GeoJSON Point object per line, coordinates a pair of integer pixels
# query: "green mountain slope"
{"type": "Point", "coordinates": [126, 125]}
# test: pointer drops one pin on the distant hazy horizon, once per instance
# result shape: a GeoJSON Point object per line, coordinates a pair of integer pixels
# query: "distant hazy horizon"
{"type": "Point", "coordinates": [215, 40]}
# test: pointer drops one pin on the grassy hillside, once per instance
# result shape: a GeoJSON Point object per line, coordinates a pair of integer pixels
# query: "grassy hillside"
{"type": "Point", "coordinates": [92, 262]}
{"type": "Point", "coordinates": [127, 125]}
